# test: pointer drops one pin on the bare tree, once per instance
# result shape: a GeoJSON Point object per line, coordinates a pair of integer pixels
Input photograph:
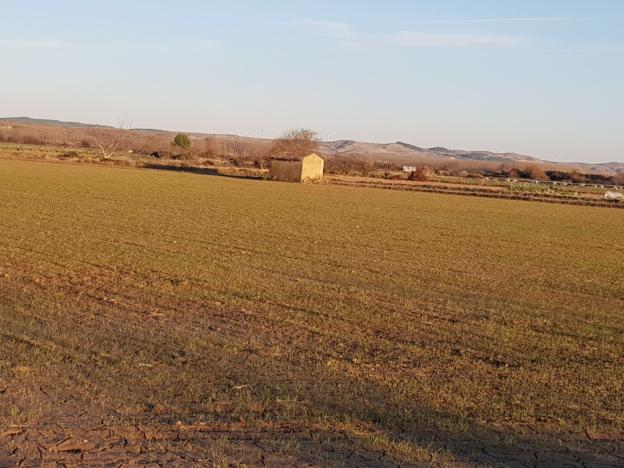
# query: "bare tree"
{"type": "Point", "coordinates": [109, 141]}
{"type": "Point", "coordinates": [421, 174]}
{"type": "Point", "coordinates": [536, 173]}
{"type": "Point", "coordinates": [298, 142]}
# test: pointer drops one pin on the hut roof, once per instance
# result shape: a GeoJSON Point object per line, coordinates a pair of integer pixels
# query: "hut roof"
{"type": "Point", "coordinates": [286, 157]}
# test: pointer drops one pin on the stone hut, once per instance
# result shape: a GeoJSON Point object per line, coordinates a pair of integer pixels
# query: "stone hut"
{"type": "Point", "coordinates": [297, 169]}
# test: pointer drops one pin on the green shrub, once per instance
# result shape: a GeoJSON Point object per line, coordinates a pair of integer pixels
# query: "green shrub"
{"type": "Point", "coordinates": [181, 140]}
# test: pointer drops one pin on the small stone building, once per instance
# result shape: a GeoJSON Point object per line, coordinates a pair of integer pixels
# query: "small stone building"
{"type": "Point", "coordinates": [297, 169]}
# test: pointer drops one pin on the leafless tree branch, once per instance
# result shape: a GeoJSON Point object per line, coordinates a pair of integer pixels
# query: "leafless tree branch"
{"type": "Point", "coordinates": [110, 142]}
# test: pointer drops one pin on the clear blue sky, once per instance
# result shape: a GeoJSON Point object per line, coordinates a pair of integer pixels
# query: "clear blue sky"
{"type": "Point", "coordinates": [539, 77]}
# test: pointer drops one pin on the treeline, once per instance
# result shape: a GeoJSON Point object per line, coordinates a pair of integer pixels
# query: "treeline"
{"type": "Point", "coordinates": [219, 149]}
{"type": "Point", "coordinates": [360, 166]}
{"type": "Point", "coordinates": [239, 151]}
{"type": "Point", "coordinates": [159, 144]}
{"type": "Point", "coordinates": [533, 172]}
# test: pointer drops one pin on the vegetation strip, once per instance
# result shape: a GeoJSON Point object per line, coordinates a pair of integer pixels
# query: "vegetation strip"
{"type": "Point", "coordinates": [564, 200]}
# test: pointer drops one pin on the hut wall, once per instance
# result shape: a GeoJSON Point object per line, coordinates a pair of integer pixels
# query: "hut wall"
{"type": "Point", "coordinates": [288, 171]}
{"type": "Point", "coordinates": [312, 168]}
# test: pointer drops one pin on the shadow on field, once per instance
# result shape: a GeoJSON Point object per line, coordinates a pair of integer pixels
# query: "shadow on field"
{"type": "Point", "coordinates": [209, 171]}
{"type": "Point", "coordinates": [365, 423]}
{"type": "Point", "coordinates": [423, 432]}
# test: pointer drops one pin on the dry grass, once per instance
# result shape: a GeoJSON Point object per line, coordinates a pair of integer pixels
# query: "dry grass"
{"type": "Point", "coordinates": [356, 326]}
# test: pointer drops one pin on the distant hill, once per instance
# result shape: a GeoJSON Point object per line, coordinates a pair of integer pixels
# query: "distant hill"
{"type": "Point", "coordinates": [55, 123]}
{"type": "Point", "coordinates": [408, 152]}
{"type": "Point", "coordinates": [411, 154]}
{"type": "Point", "coordinates": [400, 152]}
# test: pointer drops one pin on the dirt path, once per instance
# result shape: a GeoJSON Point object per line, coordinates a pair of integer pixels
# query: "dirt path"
{"type": "Point", "coordinates": [73, 433]}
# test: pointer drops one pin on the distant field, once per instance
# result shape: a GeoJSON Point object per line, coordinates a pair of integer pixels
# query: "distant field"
{"type": "Point", "coordinates": [153, 315]}
{"type": "Point", "coordinates": [569, 194]}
